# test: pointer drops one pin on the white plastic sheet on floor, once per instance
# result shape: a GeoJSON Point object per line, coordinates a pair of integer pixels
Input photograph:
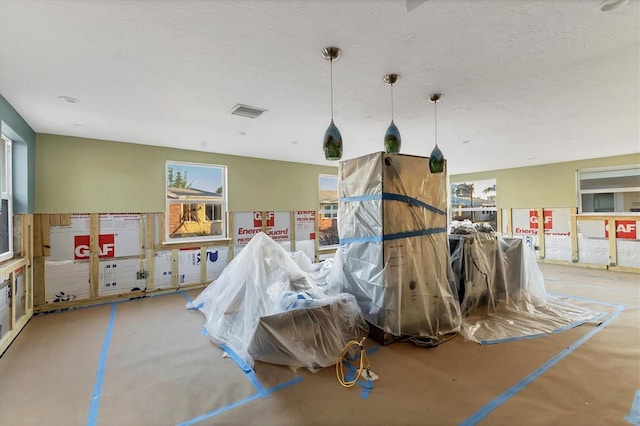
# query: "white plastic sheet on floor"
{"type": "Point", "coordinates": [271, 306]}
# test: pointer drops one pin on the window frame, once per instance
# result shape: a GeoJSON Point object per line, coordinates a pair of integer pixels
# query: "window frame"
{"type": "Point", "coordinates": [6, 190]}
{"type": "Point", "coordinates": [323, 214]}
{"type": "Point", "coordinates": [208, 203]}
{"type": "Point", "coordinates": [487, 209]}
{"type": "Point", "coordinates": [606, 190]}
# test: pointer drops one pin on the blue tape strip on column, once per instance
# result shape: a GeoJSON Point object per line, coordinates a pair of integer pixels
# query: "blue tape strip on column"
{"type": "Point", "coordinates": [393, 197]}
{"type": "Point", "coordinates": [94, 407]}
{"type": "Point", "coordinates": [418, 233]}
{"type": "Point", "coordinates": [411, 201]}
{"type": "Point", "coordinates": [246, 368]}
{"type": "Point", "coordinates": [634, 412]}
{"type": "Point", "coordinates": [495, 403]}
{"type": "Point", "coordinates": [391, 237]}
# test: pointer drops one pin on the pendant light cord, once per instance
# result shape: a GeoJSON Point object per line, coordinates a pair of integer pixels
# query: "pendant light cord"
{"type": "Point", "coordinates": [435, 119]}
{"type": "Point", "coordinates": [392, 102]}
{"type": "Point", "coordinates": [331, 89]}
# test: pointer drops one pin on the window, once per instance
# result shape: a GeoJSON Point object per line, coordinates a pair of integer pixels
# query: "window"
{"type": "Point", "coordinates": [612, 189]}
{"type": "Point", "coordinates": [474, 200]}
{"type": "Point", "coordinates": [6, 202]}
{"type": "Point", "coordinates": [328, 221]}
{"type": "Point", "coordinates": [196, 202]}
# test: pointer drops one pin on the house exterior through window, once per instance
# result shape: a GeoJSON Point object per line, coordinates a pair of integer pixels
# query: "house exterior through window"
{"type": "Point", "coordinates": [196, 201]}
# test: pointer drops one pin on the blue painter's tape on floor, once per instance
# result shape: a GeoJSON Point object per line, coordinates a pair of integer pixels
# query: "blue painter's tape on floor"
{"type": "Point", "coordinates": [634, 413]}
{"type": "Point", "coordinates": [186, 296]}
{"type": "Point", "coordinates": [220, 410]}
{"type": "Point", "coordinates": [246, 368]}
{"type": "Point", "coordinates": [241, 402]}
{"type": "Point", "coordinates": [92, 418]}
{"type": "Point", "coordinates": [492, 405]}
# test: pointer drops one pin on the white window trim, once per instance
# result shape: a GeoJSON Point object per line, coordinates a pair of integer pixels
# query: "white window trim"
{"type": "Point", "coordinates": [223, 203]}
{"type": "Point", "coordinates": [7, 193]}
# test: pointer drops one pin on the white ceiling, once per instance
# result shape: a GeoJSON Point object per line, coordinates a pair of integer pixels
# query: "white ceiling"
{"type": "Point", "coordinates": [524, 82]}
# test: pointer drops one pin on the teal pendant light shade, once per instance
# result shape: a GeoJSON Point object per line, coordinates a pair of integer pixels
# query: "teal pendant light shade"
{"type": "Point", "coordinates": [392, 139]}
{"type": "Point", "coordinates": [332, 143]}
{"type": "Point", "coordinates": [436, 159]}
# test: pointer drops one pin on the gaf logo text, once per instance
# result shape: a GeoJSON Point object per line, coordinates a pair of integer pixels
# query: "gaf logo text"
{"type": "Point", "coordinates": [82, 247]}
{"type": "Point", "coordinates": [625, 229]}
{"type": "Point", "coordinates": [257, 219]}
{"type": "Point", "coordinates": [533, 219]}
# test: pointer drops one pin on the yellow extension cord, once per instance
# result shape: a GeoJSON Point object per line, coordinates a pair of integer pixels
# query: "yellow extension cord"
{"type": "Point", "coordinates": [363, 364]}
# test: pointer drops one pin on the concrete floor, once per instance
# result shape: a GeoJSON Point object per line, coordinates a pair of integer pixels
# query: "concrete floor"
{"type": "Point", "coordinates": [145, 362]}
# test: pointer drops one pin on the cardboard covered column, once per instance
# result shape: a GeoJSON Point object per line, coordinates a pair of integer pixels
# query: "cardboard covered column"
{"type": "Point", "coordinates": [393, 244]}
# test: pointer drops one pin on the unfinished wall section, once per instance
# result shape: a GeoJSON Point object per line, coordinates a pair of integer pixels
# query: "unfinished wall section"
{"type": "Point", "coordinates": [16, 283]}
{"type": "Point", "coordinates": [85, 259]}
{"type": "Point", "coordinates": [596, 240]}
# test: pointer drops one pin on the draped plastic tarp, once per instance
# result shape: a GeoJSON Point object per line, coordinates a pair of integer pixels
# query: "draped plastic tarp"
{"type": "Point", "coordinates": [271, 306]}
{"type": "Point", "coordinates": [393, 244]}
{"type": "Point", "coordinates": [394, 257]}
{"type": "Point", "coordinates": [502, 291]}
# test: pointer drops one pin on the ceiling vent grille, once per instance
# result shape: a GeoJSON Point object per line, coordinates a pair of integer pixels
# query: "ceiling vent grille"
{"type": "Point", "coordinates": [246, 111]}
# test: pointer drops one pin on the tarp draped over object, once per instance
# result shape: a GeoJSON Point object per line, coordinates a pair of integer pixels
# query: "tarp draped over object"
{"type": "Point", "coordinates": [502, 291]}
{"type": "Point", "coordinates": [396, 267]}
{"type": "Point", "coordinates": [393, 244]}
{"type": "Point", "coordinates": [268, 306]}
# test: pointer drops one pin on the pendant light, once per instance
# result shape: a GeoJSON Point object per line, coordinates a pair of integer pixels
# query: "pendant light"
{"type": "Point", "coordinates": [392, 139]}
{"type": "Point", "coordinates": [332, 144]}
{"type": "Point", "coordinates": [436, 159]}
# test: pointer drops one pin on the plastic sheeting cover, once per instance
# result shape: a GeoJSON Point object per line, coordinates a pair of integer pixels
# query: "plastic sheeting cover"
{"type": "Point", "coordinates": [393, 244]}
{"type": "Point", "coordinates": [503, 294]}
{"type": "Point", "coordinates": [268, 306]}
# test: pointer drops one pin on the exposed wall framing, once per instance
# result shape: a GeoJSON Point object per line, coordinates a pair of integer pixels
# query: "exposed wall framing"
{"type": "Point", "coordinates": [153, 266]}
{"type": "Point", "coordinates": [16, 284]}
{"type": "Point", "coordinates": [586, 236]}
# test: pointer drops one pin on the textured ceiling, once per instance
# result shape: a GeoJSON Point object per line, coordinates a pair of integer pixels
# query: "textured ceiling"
{"type": "Point", "coordinates": [524, 82]}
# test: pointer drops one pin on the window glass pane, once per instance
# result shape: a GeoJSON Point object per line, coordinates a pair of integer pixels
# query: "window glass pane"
{"type": "Point", "coordinates": [328, 220]}
{"type": "Point", "coordinates": [609, 190]}
{"type": "Point", "coordinates": [610, 182]}
{"type": "Point", "coordinates": [196, 201]}
{"type": "Point", "coordinates": [474, 201]}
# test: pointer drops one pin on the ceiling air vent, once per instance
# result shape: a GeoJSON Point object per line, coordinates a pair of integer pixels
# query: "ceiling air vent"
{"type": "Point", "coordinates": [246, 111]}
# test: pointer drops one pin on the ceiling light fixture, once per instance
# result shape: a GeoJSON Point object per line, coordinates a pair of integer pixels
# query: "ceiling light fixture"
{"type": "Point", "coordinates": [436, 159]}
{"type": "Point", "coordinates": [332, 143]}
{"type": "Point", "coordinates": [68, 99]}
{"type": "Point", "coordinates": [392, 139]}
{"type": "Point", "coordinates": [609, 5]}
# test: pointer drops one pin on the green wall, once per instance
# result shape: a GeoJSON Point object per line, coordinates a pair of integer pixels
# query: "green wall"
{"type": "Point", "coordinates": [549, 186]}
{"type": "Point", "coordinates": [23, 137]}
{"type": "Point", "coordinates": [76, 175]}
